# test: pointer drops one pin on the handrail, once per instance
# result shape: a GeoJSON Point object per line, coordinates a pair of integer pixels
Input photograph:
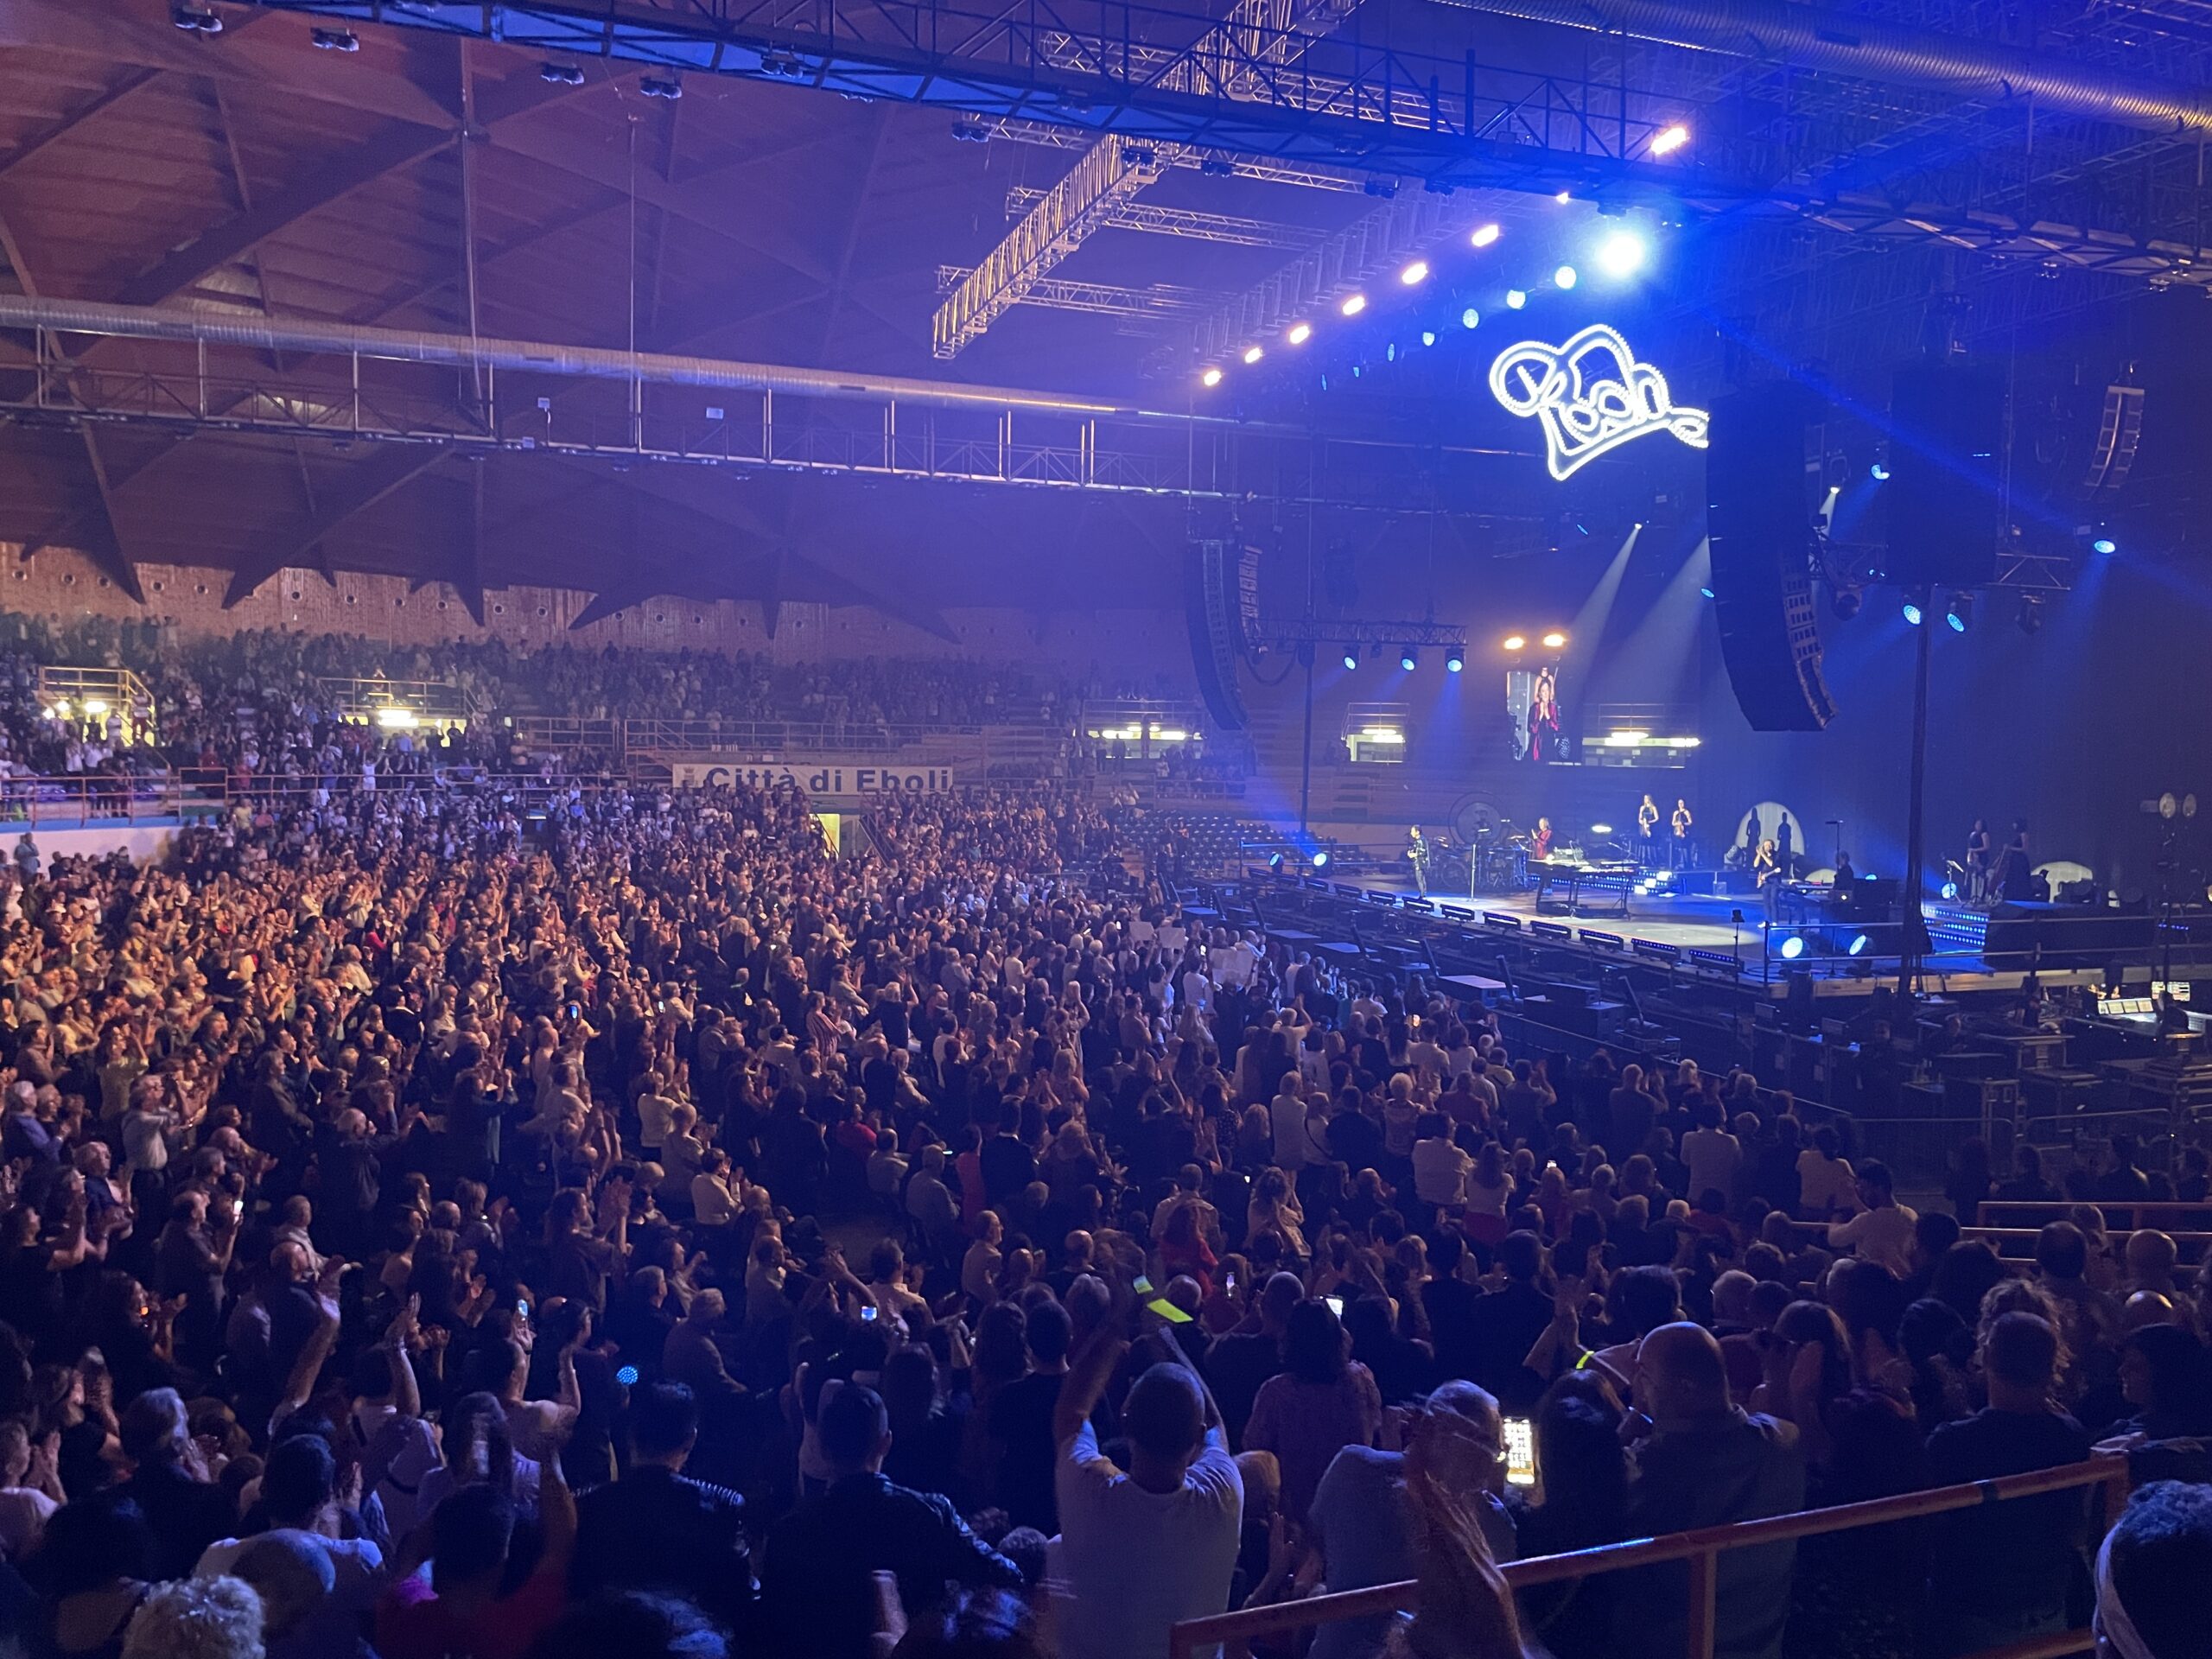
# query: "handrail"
{"type": "Point", "coordinates": [1990, 1212]}
{"type": "Point", "coordinates": [1700, 1548]}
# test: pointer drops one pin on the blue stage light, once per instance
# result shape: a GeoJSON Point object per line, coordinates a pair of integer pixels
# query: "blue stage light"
{"type": "Point", "coordinates": [1858, 945]}
{"type": "Point", "coordinates": [1950, 890]}
{"type": "Point", "coordinates": [1470, 318]}
{"type": "Point", "coordinates": [1274, 861]}
{"type": "Point", "coordinates": [628, 1376]}
{"type": "Point", "coordinates": [1454, 660]}
{"type": "Point", "coordinates": [1351, 657]}
{"type": "Point", "coordinates": [1320, 860]}
{"type": "Point", "coordinates": [1428, 336]}
{"type": "Point", "coordinates": [1792, 948]}
{"type": "Point", "coordinates": [1516, 298]}
{"type": "Point", "coordinates": [1406, 659]}
{"type": "Point", "coordinates": [1880, 473]}
{"type": "Point", "coordinates": [1912, 613]}
{"type": "Point", "coordinates": [2104, 545]}
{"type": "Point", "coordinates": [1704, 592]}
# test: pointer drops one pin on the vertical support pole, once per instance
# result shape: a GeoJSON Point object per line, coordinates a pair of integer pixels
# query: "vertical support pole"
{"type": "Point", "coordinates": [1306, 749]}
{"type": "Point", "coordinates": [1916, 931]}
{"type": "Point", "coordinates": [1704, 1578]}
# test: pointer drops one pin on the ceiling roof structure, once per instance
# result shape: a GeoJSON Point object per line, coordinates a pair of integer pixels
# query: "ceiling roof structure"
{"type": "Point", "coordinates": [349, 176]}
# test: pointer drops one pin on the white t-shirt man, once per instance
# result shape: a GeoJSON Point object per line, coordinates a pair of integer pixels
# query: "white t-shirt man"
{"type": "Point", "coordinates": [1128, 1563]}
{"type": "Point", "coordinates": [1294, 1146]}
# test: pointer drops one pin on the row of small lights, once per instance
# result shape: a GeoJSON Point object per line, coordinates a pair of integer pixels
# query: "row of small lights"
{"type": "Point", "coordinates": [1619, 255]}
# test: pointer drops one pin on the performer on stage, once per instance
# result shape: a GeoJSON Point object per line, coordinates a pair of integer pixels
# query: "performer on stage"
{"type": "Point", "coordinates": [1766, 870]}
{"type": "Point", "coordinates": [1417, 856]}
{"type": "Point", "coordinates": [1540, 844]}
{"type": "Point", "coordinates": [1647, 831]}
{"type": "Point", "coordinates": [1845, 875]}
{"type": "Point", "coordinates": [1977, 862]}
{"type": "Point", "coordinates": [1680, 825]}
{"type": "Point", "coordinates": [2013, 875]}
{"type": "Point", "coordinates": [1543, 716]}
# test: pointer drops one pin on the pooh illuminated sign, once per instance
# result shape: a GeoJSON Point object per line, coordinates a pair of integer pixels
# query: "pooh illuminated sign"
{"type": "Point", "coordinates": [1590, 396]}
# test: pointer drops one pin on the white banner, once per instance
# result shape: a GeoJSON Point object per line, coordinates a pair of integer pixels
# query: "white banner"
{"type": "Point", "coordinates": [816, 777]}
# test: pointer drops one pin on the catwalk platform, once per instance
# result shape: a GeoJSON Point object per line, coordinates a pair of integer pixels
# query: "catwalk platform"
{"type": "Point", "coordinates": [1377, 918]}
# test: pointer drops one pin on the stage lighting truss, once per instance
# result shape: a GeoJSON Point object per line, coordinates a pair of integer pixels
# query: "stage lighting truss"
{"type": "Point", "coordinates": [1347, 636]}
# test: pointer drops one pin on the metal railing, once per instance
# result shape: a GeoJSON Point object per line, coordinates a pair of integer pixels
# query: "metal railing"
{"type": "Point", "coordinates": [363, 697]}
{"type": "Point", "coordinates": [2017, 1245]}
{"type": "Point", "coordinates": [193, 792]}
{"type": "Point", "coordinates": [985, 750]}
{"type": "Point", "coordinates": [2118, 1218]}
{"type": "Point", "coordinates": [1700, 1551]}
{"type": "Point", "coordinates": [69, 692]}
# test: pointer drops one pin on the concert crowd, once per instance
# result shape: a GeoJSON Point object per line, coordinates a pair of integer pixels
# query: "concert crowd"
{"type": "Point", "coordinates": [440, 1230]}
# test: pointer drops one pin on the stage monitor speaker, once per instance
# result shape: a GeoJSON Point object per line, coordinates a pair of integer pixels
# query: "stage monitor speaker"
{"type": "Point", "coordinates": [1945, 509]}
{"type": "Point", "coordinates": [1214, 607]}
{"type": "Point", "coordinates": [1760, 531]}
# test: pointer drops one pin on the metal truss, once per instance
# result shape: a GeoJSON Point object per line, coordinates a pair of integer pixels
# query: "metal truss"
{"type": "Point", "coordinates": [1267, 90]}
{"type": "Point", "coordinates": [1189, 224]}
{"type": "Point", "coordinates": [410, 410]}
{"type": "Point", "coordinates": [1223, 163]}
{"type": "Point", "coordinates": [1159, 302]}
{"type": "Point", "coordinates": [1403, 225]}
{"type": "Point", "coordinates": [1317, 631]}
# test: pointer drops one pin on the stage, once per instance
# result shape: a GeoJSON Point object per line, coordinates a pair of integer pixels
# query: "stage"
{"type": "Point", "coordinates": [1697, 934]}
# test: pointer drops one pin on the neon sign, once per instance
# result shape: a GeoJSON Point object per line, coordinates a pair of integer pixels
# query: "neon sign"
{"type": "Point", "coordinates": [1590, 395]}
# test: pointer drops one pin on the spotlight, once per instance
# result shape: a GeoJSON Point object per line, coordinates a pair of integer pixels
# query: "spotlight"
{"type": "Point", "coordinates": [2104, 545]}
{"type": "Point", "coordinates": [335, 40]}
{"type": "Point", "coordinates": [1454, 660]}
{"type": "Point", "coordinates": [1912, 612]}
{"type": "Point", "coordinates": [1859, 943]}
{"type": "Point", "coordinates": [1390, 352]}
{"type": "Point", "coordinates": [1793, 947]}
{"type": "Point", "coordinates": [1950, 890]}
{"type": "Point", "coordinates": [1428, 336]}
{"type": "Point", "coordinates": [965, 130]}
{"type": "Point", "coordinates": [1351, 656]}
{"type": "Point", "coordinates": [1417, 272]}
{"type": "Point", "coordinates": [1406, 657]}
{"type": "Point", "coordinates": [1959, 614]}
{"type": "Point", "coordinates": [1704, 592]}
{"type": "Point", "coordinates": [196, 20]}
{"type": "Point", "coordinates": [1470, 318]}
{"type": "Point", "coordinates": [1516, 642]}
{"type": "Point", "coordinates": [1274, 861]}
{"type": "Point", "coordinates": [1565, 276]}
{"type": "Point", "coordinates": [1553, 640]}
{"type": "Point", "coordinates": [1667, 142]}
{"type": "Point", "coordinates": [1300, 332]}
{"type": "Point", "coordinates": [561, 74]}
{"type": "Point", "coordinates": [1845, 603]}
{"type": "Point", "coordinates": [1564, 197]}
{"type": "Point", "coordinates": [2030, 617]}
{"type": "Point", "coordinates": [1252, 354]}
{"type": "Point", "coordinates": [1878, 473]}
{"type": "Point", "coordinates": [1621, 255]}
{"type": "Point", "coordinates": [661, 86]}
{"type": "Point", "coordinates": [1514, 299]}
{"type": "Point", "coordinates": [1353, 306]}
{"type": "Point", "coordinates": [1210, 377]}
{"type": "Point", "coordinates": [1483, 236]}
{"type": "Point", "coordinates": [1320, 860]}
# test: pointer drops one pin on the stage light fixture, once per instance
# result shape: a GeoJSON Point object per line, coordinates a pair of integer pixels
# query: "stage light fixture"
{"type": "Point", "coordinates": [1390, 352]}
{"type": "Point", "coordinates": [570, 74]}
{"type": "Point", "coordinates": [1912, 612]}
{"type": "Point", "coordinates": [2030, 617]}
{"type": "Point", "coordinates": [196, 20]}
{"type": "Point", "coordinates": [1428, 336]}
{"type": "Point", "coordinates": [1454, 660]}
{"type": "Point", "coordinates": [1564, 197]}
{"type": "Point", "coordinates": [661, 86]}
{"type": "Point", "coordinates": [1565, 276]}
{"type": "Point", "coordinates": [1252, 354]}
{"type": "Point", "coordinates": [1878, 473]}
{"type": "Point", "coordinates": [1959, 614]}
{"type": "Point", "coordinates": [1859, 943]}
{"type": "Point", "coordinates": [1704, 592]}
{"type": "Point", "coordinates": [1553, 640]}
{"type": "Point", "coordinates": [1621, 255]}
{"type": "Point", "coordinates": [2104, 545]}
{"type": "Point", "coordinates": [1210, 377]}
{"type": "Point", "coordinates": [1667, 142]}
{"type": "Point", "coordinates": [1470, 318]}
{"type": "Point", "coordinates": [1514, 299]}
{"type": "Point", "coordinates": [1417, 272]}
{"type": "Point", "coordinates": [1406, 657]}
{"type": "Point", "coordinates": [335, 40]}
{"type": "Point", "coordinates": [1320, 860]}
{"type": "Point", "coordinates": [1484, 235]}
{"type": "Point", "coordinates": [1845, 603]}
{"type": "Point", "coordinates": [1516, 642]}
{"type": "Point", "coordinates": [1354, 305]}
{"type": "Point", "coordinates": [1351, 656]}
{"type": "Point", "coordinates": [1274, 861]}
{"type": "Point", "coordinates": [1300, 332]}
{"type": "Point", "coordinates": [1793, 947]}
{"type": "Point", "coordinates": [1950, 890]}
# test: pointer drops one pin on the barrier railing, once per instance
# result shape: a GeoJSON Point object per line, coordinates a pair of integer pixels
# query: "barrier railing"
{"type": "Point", "coordinates": [79, 802]}
{"type": "Point", "coordinates": [1700, 1550]}
{"type": "Point", "coordinates": [2017, 1244]}
{"type": "Point", "coordinates": [2118, 1216]}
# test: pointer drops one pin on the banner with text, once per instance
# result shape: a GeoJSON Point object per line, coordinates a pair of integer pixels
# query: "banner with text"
{"type": "Point", "coordinates": [832, 777]}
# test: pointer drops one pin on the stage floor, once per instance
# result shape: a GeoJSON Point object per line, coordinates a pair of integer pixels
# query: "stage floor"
{"type": "Point", "coordinates": [1699, 922]}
